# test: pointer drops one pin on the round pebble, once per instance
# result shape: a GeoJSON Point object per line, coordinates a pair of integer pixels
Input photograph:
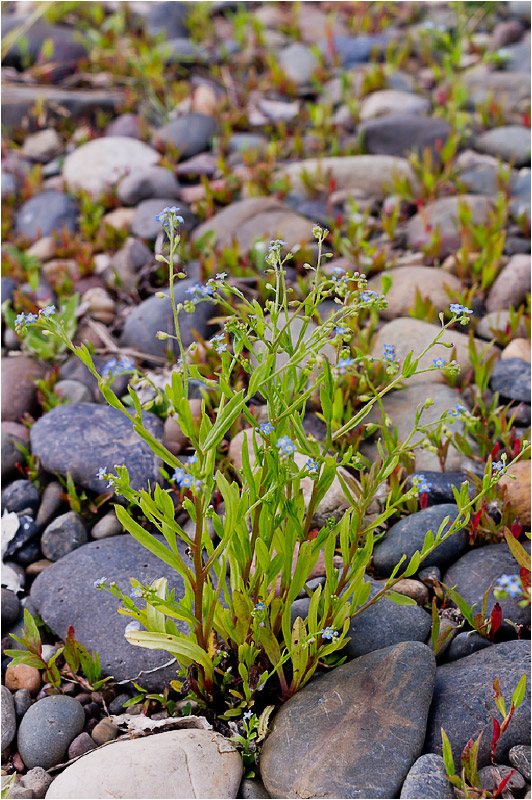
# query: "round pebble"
{"type": "Point", "coordinates": [21, 676]}
{"type": "Point", "coordinates": [47, 729]}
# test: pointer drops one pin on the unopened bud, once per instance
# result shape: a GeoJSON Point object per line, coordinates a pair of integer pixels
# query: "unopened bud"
{"type": "Point", "coordinates": [160, 295]}
{"type": "Point", "coordinates": [161, 335]}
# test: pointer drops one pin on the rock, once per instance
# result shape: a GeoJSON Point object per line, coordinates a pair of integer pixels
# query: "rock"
{"type": "Point", "coordinates": [518, 490]}
{"type": "Point", "coordinates": [426, 779]}
{"type": "Point", "coordinates": [155, 314]}
{"type": "Point", "coordinates": [63, 535]}
{"type": "Point", "coordinates": [10, 607]}
{"type": "Point", "coordinates": [509, 90]}
{"type": "Point", "coordinates": [116, 706]}
{"type": "Point", "coordinates": [38, 780]}
{"type": "Point", "coordinates": [147, 183]}
{"type": "Point", "coordinates": [73, 391]}
{"type": "Point", "coordinates": [9, 722]}
{"type": "Point", "coordinates": [511, 379]}
{"type": "Point", "coordinates": [21, 496]}
{"type": "Point", "coordinates": [127, 263]}
{"type": "Point", "coordinates": [417, 590]}
{"type": "Point", "coordinates": [247, 142]}
{"type": "Point", "coordinates": [518, 348]}
{"type": "Point", "coordinates": [495, 324]}
{"type": "Point", "coordinates": [19, 393]}
{"type": "Point", "coordinates": [43, 146]}
{"type": "Point", "coordinates": [27, 530]}
{"type": "Point", "coordinates": [385, 624]}
{"type": "Point", "coordinates": [443, 214]}
{"type": "Point", "coordinates": [103, 436]}
{"type": "Point", "coordinates": [506, 33]}
{"type": "Point", "coordinates": [463, 703]}
{"type": "Point", "coordinates": [409, 335]}
{"type": "Point", "coordinates": [22, 700]}
{"type": "Point", "coordinates": [50, 503]}
{"type": "Point", "coordinates": [509, 142]}
{"type": "Point", "coordinates": [391, 101]}
{"type": "Point", "coordinates": [44, 213]}
{"type": "Point", "coordinates": [104, 731]}
{"type": "Point", "coordinates": [145, 226]}
{"type": "Point", "coordinates": [298, 63]}
{"type": "Point", "coordinates": [511, 286]}
{"type": "Point", "coordinates": [67, 50]}
{"type": "Point", "coordinates": [256, 219]}
{"type": "Point", "coordinates": [65, 593]}
{"type": "Point", "coordinates": [107, 526]}
{"type": "Point", "coordinates": [520, 759]}
{"type": "Point", "coordinates": [519, 206]}
{"type": "Point", "coordinates": [252, 789]}
{"type": "Point", "coordinates": [189, 135]}
{"type": "Point", "coordinates": [17, 791]}
{"type": "Point", "coordinates": [21, 101]}
{"type": "Point", "coordinates": [320, 743]}
{"type": "Point", "coordinates": [99, 164]}
{"type": "Point", "coordinates": [120, 219]}
{"type": "Point", "coordinates": [181, 763]}
{"type": "Point", "coordinates": [101, 306]}
{"type": "Point", "coordinates": [490, 778]}
{"type": "Point", "coordinates": [407, 281]}
{"type": "Point", "coordinates": [167, 18]}
{"type": "Point", "coordinates": [80, 745]}
{"type": "Point", "coordinates": [11, 455]}
{"type": "Point", "coordinates": [354, 50]}
{"type": "Point", "coordinates": [371, 174]}
{"type": "Point", "coordinates": [74, 369]}
{"type": "Point", "coordinates": [466, 643]}
{"type": "Point", "coordinates": [407, 536]}
{"type": "Point", "coordinates": [21, 676]}
{"type": "Point", "coordinates": [124, 125]}
{"type": "Point", "coordinates": [47, 729]}
{"type": "Point", "coordinates": [475, 571]}
{"type": "Point", "coordinates": [401, 134]}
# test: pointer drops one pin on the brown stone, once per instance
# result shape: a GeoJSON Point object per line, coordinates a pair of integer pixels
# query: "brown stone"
{"type": "Point", "coordinates": [105, 731]}
{"type": "Point", "coordinates": [120, 218]}
{"type": "Point", "coordinates": [518, 490]}
{"type": "Point", "coordinates": [44, 249]}
{"type": "Point", "coordinates": [518, 348]}
{"type": "Point", "coordinates": [21, 676]}
{"type": "Point", "coordinates": [19, 394]}
{"type": "Point", "coordinates": [431, 283]}
{"type": "Point", "coordinates": [38, 566]}
{"type": "Point", "coordinates": [414, 589]}
{"type": "Point", "coordinates": [511, 286]}
{"type": "Point", "coordinates": [101, 305]}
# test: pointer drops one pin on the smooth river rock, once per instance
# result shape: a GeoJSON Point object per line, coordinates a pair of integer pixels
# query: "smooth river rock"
{"type": "Point", "coordinates": [47, 729]}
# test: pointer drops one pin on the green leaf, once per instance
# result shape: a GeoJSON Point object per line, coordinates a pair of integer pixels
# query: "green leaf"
{"type": "Point", "coordinates": [31, 633]}
{"type": "Point", "coordinates": [182, 647]}
{"type": "Point", "coordinates": [413, 565]}
{"type": "Point", "coordinates": [519, 692]}
{"type": "Point", "coordinates": [224, 421]}
{"type": "Point", "coordinates": [399, 599]}
{"type": "Point", "coordinates": [447, 754]}
{"type": "Point", "coordinates": [518, 551]}
{"type": "Point", "coordinates": [148, 541]}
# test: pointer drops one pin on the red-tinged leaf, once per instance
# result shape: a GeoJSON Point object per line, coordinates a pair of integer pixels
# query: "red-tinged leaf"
{"type": "Point", "coordinates": [495, 618]}
{"type": "Point", "coordinates": [495, 738]}
{"type": "Point", "coordinates": [495, 452]}
{"type": "Point", "coordinates": [517, 447]}
{"type": "Point", "coordinates": [499, 699]}
{"type": "Point", "coordinates": [423, 500]}
{"type": "Point", "coordinates": [469, 760]}
{"type": "Point", "coordinates": [502, 785]}
{"type": "Point", "coordinates": [525, 576]}
{"type": "Point", "coordinates": [516, 530]}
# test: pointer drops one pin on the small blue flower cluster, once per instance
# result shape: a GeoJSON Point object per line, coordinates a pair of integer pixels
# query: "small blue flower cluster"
{"type": "Point", "coordinates": [329, 633]}
{"type": "Point", "coordinates": [220, 345]}
{"type": "Point", "coordinates": [285, 445]}
{"type": "Point", "coordinates": [341, 330]}
{"type": "Point", "coordinates": [389, 353]}
{"type": "Point", "coordinates": [21, 320]}
{"type": "Point", "coordinates": [169, 218]}
{"type": "Point", "coordinates": [99, 583]}
{"type": "Point", "coordinates": [510, 584]}
{"type": "Point", "coordinates": [421, 484]}
{"type": "Point", "coordinates": [338, 273]}
{"type": "Point", "coordinates": [114, 367]}
{"type": "Point", "coordinates": [103, 475]}
{"type": "Point", "coordinates": [369, 296]}
{"type": "Point", "coordinates": [344, 364]}
{"type": "Point", "coordinates": [461, 311]}
{"type": "Point", "coordinates": [457, 410]}
{"type": "Point", "coordinates": [199, 291]}
{"type": "Point", "coordinates": [276, 245]}
{"type": "Point", "coordinates": [184, 478]}
{"type": "Point", "coordinates": [498, 468]}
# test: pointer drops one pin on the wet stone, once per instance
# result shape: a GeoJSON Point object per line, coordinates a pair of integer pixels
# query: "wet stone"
{"type": "Point", "coordinates": [491, 776]}
{"type": "Point", "coordinates": [463, 703]}
{"type": "Point", "coordinates": [147, 183]}
{"type": "Point", "coordinates": [103, 436]}
{"type": "Point", "coordinates": [408, 535]}
{"type": "Point", "coordinates": [20, 496]}
{"type": "Point", "coordinates": [322, 742]}
{"type": "Point", "coordinates": [511, 378]}
{"type": "Point", "coordinates": [427, 779]}
{"type": "Point", "coordinates": [22, 700]}
{"type": "Point", "coordinates": [10, 607]}
{"type": "Point", "coordinates": [9, 722]}
{"type": "Point", "coordinates": [80, 745]}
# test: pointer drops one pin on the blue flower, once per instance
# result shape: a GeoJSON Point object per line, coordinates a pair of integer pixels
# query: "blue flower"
{"type": "Point", "coordinates": [99, 582]}
{"type": "Point", "coordinates": [312, 465]}
{"type": "Point", "coordinates": [192, 459]}
{"type": "Point", "coordinates": [266, 427]}
{"type": "Point", "coordinates": [247, 716]}
{"type": "Point", "coordinates": [221, 348]}
{"type": "Point", "coordinates": [277, 244]}
{"type": "Point", "coordinates": [498, 468]}
{"type": "Point", "coordinates": [341, 330]}
{"type": "Point", "coordinates": [136, 592]}
{"type": "Point", "coordinates": [187, 481]}
{"type": "Point", "coordinates": [514, 588]}
{"type": "Point", "coordinates": [329, 633]}
{"type": "Point", "coordinates": [169, 218]}
{"type": "Point", "coordinates": [200, 291]}
{"type": "Point", "coordinates": [389, 353]}
{"type": "Point", "coordinates": [459, 310]}
{"type": "Point", "coordinates": [178, 475]}
{"type": "Point", "coordinates": [285, 445]}
{"type": "Point", "coordinates": [438, 362]}
{"type": "Point", "coordinates": [344, 364]}
{"type": "Point", "coordinates": [337, 273]}
{"type": "Point", "coordinates": [48, 311]}
{"type": "Point", "coordinates": [260, 607]}
{"type": "Point", "coordinates": [457, 410]}
{"type": "Point", "coordinates": [31, 318]}
{"type": "Point", "coordinates": [421, 484]}
{"type": "Point", "coordinates": [368, 296]}
{"type": "Point", "coordinates": [102, 473]}
{"type": "Point", "coordinates": [20, 320]}
{"type": "Point", "coordinates": [221, 276]}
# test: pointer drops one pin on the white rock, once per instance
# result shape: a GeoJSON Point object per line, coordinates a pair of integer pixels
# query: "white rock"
{"type": "Point", "coordinates": [98, 165]}
{"type": "Point", "coordinates": [176, 764]}
{"type": "Point", "coordinates": [43, 146]}
{"type": "Point", "coordinates": [392, 101]}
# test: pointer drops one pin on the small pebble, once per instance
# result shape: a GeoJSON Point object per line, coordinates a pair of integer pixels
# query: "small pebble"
{"type": "Point", "coordinates": [21, 676]}
{"type": "Point", "coordinates": [520, 759]}
{"type": "Point", "coordinates": [491, 776]}
{"type": "Point", "coordinates": [10, 607]}
{"type": "Point", "coordinates": [38, 780]}
{"type": "Point", "coordinates": [80, 745]}
{"type": "Point", "coordinates": [22, 700]}
{"type": "Point", "coordinates": [105, 731]}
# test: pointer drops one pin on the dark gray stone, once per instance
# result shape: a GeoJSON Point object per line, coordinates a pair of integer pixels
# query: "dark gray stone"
{"type": "Point", "coordinates": [116, 706]}
{"type": "Point", "coordinates": [155, 314]}
{"type": "Point", "coordinates": [11, 455]}
{"type": "Point", "coordinates": [103, 437]}
{"type": "Point", "coordinates": [190, 134]}
{"type": "Point", "coordinates": [22, 700]}
{"type": "Point", "coordinates": [27, 530]}
{"type": "Point", "coordinates": [47, 729]}
{"type": "Point", "coordinates": [252, 789]}
{"type": "Point", "coordinates": [427, 779]}
{"type": "Point", "coordinates": [67, 49]}
{"type": "Point", "coordinates": [64, 595]}
{"type": "Point", "coordinates": [441, 484]}
{"type": "Point", "coordinates": [64, 535]}
{"type": "Point", "coordinates": [408, 535]}
{"type": "Point", "coordinates": [51, 502]}
{"type": "Point", "coordinates": [519, 757]}
{"type": "Point", "coordinates": [167, 19]}
{"type": "Point", "coordinates": [478, 569]}
{"type": "Point", "coordinates": [400, 134]}
{"type": "Point", "coordinates": [146, 183]}
{"type": "Point", "coordinates": [511, 378]}
{"type": "Point", "coordinates": [466, 643]}
{"type": "Point", "coordinates": [19, 496]}
{"type": "Point", "coordinates": [8, 286]}
{"type": "Point", "coordinates": [46, 212]}
{"type": "Point", "coordinates": [509, 142]}
{"type": "Point", "coordinates": [29, 553]}
{"type": "Point", "coordinates": [181, 50]}
{"type": "Point", "coordinates": [354, 50]}
{"type": "Point", "coordinates": [463, 703]}
{"type": "Point", "coordinates": [9, 720]}
{"type": "Point", "coordinates": [322, 740]}
{"type": "Point", "coordinates": [491, 777]}
{"type": "Point", "coordinates": [10, 607]}
{"type": "Point", "coordinates": [127, 263]}
{"type": "Point", "coordinates": [146, 226]}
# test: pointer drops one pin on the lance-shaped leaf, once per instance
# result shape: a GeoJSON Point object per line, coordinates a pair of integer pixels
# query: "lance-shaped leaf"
{"type": "Point", "coordinates": [186, 651]}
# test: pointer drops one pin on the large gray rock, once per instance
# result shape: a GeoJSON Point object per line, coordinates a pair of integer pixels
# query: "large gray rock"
{"type": "Point", "coordinates": [64, 535]}
{"type": "Point", "coordinates": [45, 213]}
{"type": "Point", "coordinates": [510, 142]}
{"type": "Point", "coordinates": [354, 732]}
{"type": "Point", "coordinates": [98, 165]}
{"type": "Point", "coordinates": [443, 215]}
{"type": "Point", "coordinates": [463, 703]}
{"type": "Point", "coordinates": [179, 764]}
{"type": "Point", "coordinates": [147, 183]}
{"type": "Point", "coordinates": [401, 134]}
{"type": "Point", "coordinates": [64, 595]}
{"type": "Point", "coordinates": [47, 729]}
{"type": "Point", "coordinates": [427, 779]}
{"type": "Point", "coordinates": [102, 436]}
{"type": "Point", "coordinates": [9, 720]}
{"type": "Point", "coordinates": [408, 535]}
{"type": "Point", "coordinates": [189, 135]}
